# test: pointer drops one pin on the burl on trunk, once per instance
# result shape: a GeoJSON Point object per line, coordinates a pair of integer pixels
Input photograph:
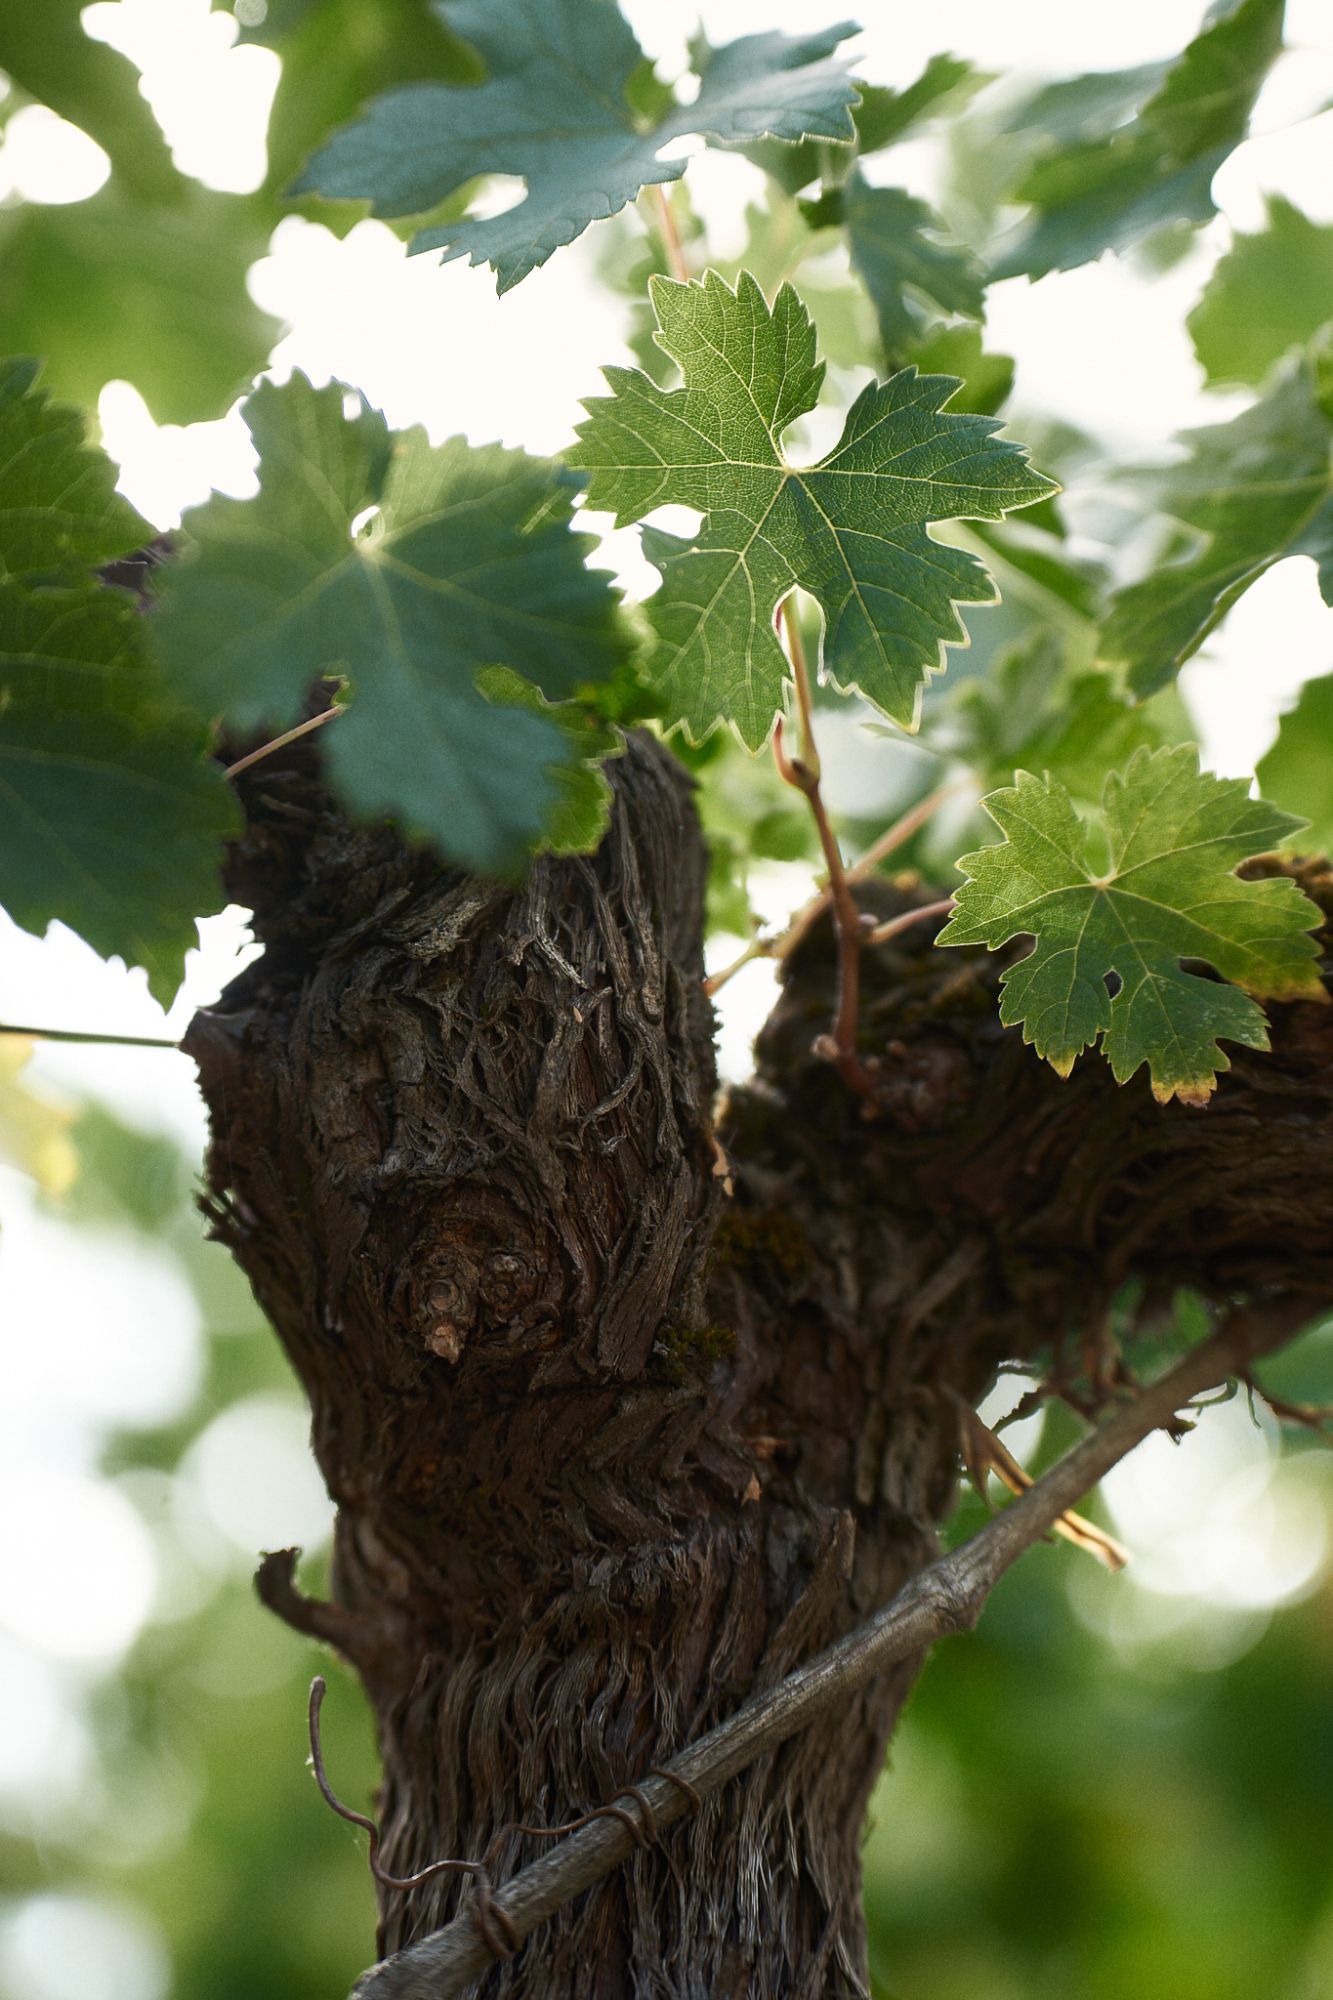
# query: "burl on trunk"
{"type": "Point", "coordinates": [612, 1447]}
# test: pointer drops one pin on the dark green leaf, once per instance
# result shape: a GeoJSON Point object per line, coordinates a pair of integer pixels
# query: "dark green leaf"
{"type": "Point", "coordinates": [912, 271]}
{"type": "Point", "coordinates": [850, 530]}
{"type": "Point", "coordinates": [554, 109]}
{"type": "Point", "coordinates": [114, 831]}
{"type": "Point", "coordinates": [1254, 490]}
{"type": "Point", "coordinates": [882, 118]}
{"type": "Point", "coordinates": [466, 561]}
{"type": "Point", "coordinates": [336, 54]}
{"type": "Point", "coordinates": [110, 819]}
{"type": "Point", "coordinates": [1271, 291]}
{"type": "Point", "coordinates": [1169, 892]}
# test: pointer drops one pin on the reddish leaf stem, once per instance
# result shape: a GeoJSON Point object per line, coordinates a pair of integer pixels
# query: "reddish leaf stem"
{"type": "Point", "coordinates": [675, 249]}
{"type": "Point", "coordinates": [893, 925]}
{"type": "Point", "coordinates": [803, 773]}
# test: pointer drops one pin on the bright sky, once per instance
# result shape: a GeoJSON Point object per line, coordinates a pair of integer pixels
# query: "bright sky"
{"type": "Point", "coordinates": [433, 344]}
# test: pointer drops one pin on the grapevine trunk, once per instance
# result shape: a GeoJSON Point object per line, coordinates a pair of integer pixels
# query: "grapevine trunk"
{"type": "Point", "coordinates": [615, 1439]}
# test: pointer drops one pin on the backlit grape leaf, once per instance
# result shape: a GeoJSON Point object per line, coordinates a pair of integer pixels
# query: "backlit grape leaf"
{"type": "Point", "coordinates": [882, 118]}
{"type": "Point", "coordinates": [114, 287]}
{"type": "Point", "coordinates": [405, 569]}
{"type": "Point", "coordinates": [1109, 941]}
{"type": "Point", "coordinates": [1299, 767]}
{"type": "Point", "coordinates": [1106, 191]}
{"type": "Point", "coordinates": [58, 504]}
{"type": "Point", "coordinates": [554, 109]}
{"type": "Point", "coordinates": [1254, 490]}
{"type": "Point", "coordinates": [1271, 291]}
{"type": "Point", "coordinates": [913, 272]}
{"type": "Point", "coordinates": [46, 52]}
{"type": "Point", "coordinates": [851, 530]}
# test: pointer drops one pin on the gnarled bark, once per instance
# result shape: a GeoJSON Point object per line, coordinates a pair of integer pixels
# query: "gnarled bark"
{"type": "Point", "coordinates": [608, 1448]}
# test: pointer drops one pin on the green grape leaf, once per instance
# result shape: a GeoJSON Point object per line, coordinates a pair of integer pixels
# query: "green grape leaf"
{"type": "Point", "coordinates": [1299, 767]}
{"type": "Point", "coordinates": [1106, 191]}
{"type": "Point", "coordinates": [405, 569]}
{"type": "Point", "coordinates": [1253, 490]}
{"type": "Point", "coordinates": [1033, 565]}
{"type": "Point", "coordinates": [1032, 712]}
{"type": "Point", "coordinates": [851, 531]}
{"type": "Point", "coordinates": [882, 118]}
{"type": "Point", "coordinates": [914, 274]}
{"type": "Point", "coordinates": [1168, 892]}
{"type": "Point", "coordinates": [1272, 291]}
{"type": "Point", "coordinates": [110, 818]}
{"type": "Point", "coordinates": [45, 50]}
{"type": "Point", "coordinates": [114, 287]}
{"type": "Point", "coordinates": [58, 505]}
{"type": "Point", "coordinates": [554, 109]}
{"type": "Point", "coordinates": [337, 53]}
{"type": "Point", "coordinates": [114, 830]}
{"type": "Point", "coordinates": [988, 379]}
{"type": "Point", "coordinates": [581, 811]}
{"type": "Point", "coordinates": [1078, 108]}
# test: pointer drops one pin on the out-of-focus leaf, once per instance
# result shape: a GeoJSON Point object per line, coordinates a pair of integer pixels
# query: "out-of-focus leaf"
{"type": "Point", "coordinates": [912, 270]}
{"type": "Point", "coordinates": [1080, 108]}
{"type": "Point", "coordinates": [116, 287]}
{"type": "Point", "coordinates": [1104, 193]}
{"type": "Point", "coordinates": [110, 819]}
{"type": "Point", "coordinates": [1031, 713]}
{"type": "Point", "coordinates": [1254, 490]}
{"type": "Point", "coordinates": [338, 53]}
{"type": "Point", "coordinates": [882, 118]}
{"type": "Point", "coordinates": [554, 109]}
{"type": "Point", "coordinates": [988, 379]}
{"type": "Point", "coordinates": [1035, 552]}
{"type": "Point", "coordinates": [582, 808]}
{"type": "Point", "coordinates": [1272, 291]}
{"type": "Point", "coordinates": [1298, 770]}
{"type": "Point", "coordinates": [45, 50]}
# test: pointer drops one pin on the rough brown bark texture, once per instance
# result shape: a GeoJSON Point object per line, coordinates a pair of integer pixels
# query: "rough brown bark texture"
{"type": "Point", "coordinates": [610, 1448]}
